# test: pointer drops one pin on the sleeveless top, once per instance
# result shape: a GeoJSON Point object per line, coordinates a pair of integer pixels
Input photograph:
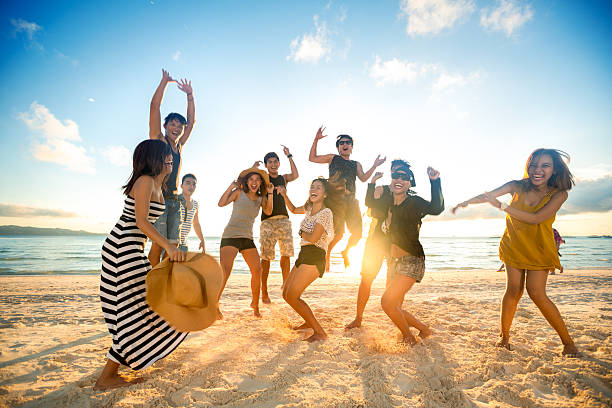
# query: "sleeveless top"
{"type": "Point", "coordinates": [347, 170]}
{"type": "Point", "coordinates": [529, 246]}
{"type": "Point", "coordinates": [243, 216]}
{"type": "Point", "coordinates": [186, 220]}
{"type": "Point", "coordinates": [173, 179]}
{"type": "Point", "coordinates": [279, 207]}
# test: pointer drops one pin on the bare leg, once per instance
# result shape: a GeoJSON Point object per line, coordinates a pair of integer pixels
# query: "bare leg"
{"type": "Point", "coordinates": [362, 298]}
{"type": "Point", "coordinates": [391, 302]}
{"type": "Point", "coordinates": [331, 245]}
{"type": "Point", "coordinates": [285, 266]}
{"type": "Point", "coordinates": [536, 288]}
{"type": "Point", "coordinates": [227, 254]}
{"type": "Point", "coordinates": [251, 257]}
{"type": "Point", "coordinates": [299, 279]}
{"type": "Point", "coordinates": [110, 378]}
{"type": "Point", "coordinates": [515, 285]}
{"type": "Point", "coordinates": [352, 241]}
{"type": "Point", "coordinates": [371, 264]}
{"type": "Point", "coordinates": [265, 271]}
{"type": "Point", "coordinates": [154, 253]}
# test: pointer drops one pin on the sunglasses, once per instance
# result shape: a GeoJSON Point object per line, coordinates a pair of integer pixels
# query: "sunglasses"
{"type": "Point", "coordinates": [343, 142]}
{"type": "Point", "coordinates": [401, 176]}
{"type": "Point", "coordinates": [169, 163]}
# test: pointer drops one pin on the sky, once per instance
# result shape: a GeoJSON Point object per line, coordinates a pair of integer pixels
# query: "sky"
{"type": "Point", "coordinates": [468, 87]}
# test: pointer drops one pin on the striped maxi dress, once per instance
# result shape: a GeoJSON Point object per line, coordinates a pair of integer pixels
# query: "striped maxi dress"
{"type": "Point", "coordinates": [140, 336]}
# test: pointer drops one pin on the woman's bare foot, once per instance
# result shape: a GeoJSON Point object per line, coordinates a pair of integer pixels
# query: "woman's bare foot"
{"type": "Point", "coordinates": [302, 326]}
{"type": "Point", "coordinates": [316, 337]}
{"type": "Point", "coordinates": [570, 351]}
{"type": "Point", "coordinates": [425, 333]}
{"type": "Point", "coordinates": [116, 381]}
{"type": "Point", "coordinates": [504, 342]}
{"type": "Point", "coordinates": [265, 298]}
{"type": "Point", "coordinates": [409, 340]}
{"type": "Point", "coordinates": [354, 324]}
{"type": "Point", "coordinates": [255, 307]}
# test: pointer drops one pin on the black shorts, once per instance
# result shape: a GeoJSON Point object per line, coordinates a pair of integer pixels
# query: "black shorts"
{"type": "Point", "coordinates": [312, 255]}
{"type": "Point", "coordinates": [352, 218]}
{"type": "Point", "coordinates": [240, 243]}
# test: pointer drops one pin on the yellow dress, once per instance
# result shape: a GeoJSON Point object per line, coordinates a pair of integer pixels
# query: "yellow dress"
{"type": "Point", "coordinates": [529, 246]}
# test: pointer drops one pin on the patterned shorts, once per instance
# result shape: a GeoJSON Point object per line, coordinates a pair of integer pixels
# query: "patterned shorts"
{"type": "Point", "coordinates": [271, 231]}
{"type": "Point", "coordinates": [408, 265]}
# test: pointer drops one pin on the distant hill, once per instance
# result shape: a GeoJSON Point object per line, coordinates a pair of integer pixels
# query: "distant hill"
{"type": "Point", "coordinates": [16, 230]}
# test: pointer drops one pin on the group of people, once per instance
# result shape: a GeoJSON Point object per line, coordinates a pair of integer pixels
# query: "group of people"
{"type": "Point", "coordinates": [153, 209]}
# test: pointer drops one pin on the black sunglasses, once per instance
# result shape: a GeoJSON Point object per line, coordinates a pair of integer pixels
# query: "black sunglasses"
{"type": "Point", "coordinates": [343, 142]}
{"type": "Point", "coordinates": [401, 176]}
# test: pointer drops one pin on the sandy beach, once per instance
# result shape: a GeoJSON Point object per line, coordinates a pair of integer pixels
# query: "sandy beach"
{"type": "Point", "coordinates": [53, 343]}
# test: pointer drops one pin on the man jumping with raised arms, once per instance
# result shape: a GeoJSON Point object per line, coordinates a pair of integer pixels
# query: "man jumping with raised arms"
{"type": "Point", "coordinates": [177, 131]}
{"type": "Point", "coordinates": [349, 170]}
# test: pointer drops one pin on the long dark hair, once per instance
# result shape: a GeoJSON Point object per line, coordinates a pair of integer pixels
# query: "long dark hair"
{"type": "Point", "coordinates": [561, 178]}
{"type": "Point", "coordinates": [148, 160]}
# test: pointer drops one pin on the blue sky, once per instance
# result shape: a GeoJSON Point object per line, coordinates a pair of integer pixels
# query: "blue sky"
{"type": "Point", "coordinates": [469, 87]}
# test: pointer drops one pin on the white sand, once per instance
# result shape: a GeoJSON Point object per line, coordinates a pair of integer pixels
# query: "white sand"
{"type": "Point", "coordinates": [53, 341]}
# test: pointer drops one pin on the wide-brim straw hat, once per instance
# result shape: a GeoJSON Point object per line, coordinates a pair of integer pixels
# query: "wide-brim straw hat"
{"type": "Point", "coordinates": [186, 294]}
{"type": "Point", "coordinates": [262, 173]}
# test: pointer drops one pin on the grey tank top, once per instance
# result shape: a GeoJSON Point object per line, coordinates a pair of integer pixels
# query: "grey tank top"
{"type": "Point", "coordinates": [244, 213]}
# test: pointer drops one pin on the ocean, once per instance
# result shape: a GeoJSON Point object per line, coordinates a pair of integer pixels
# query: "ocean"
{"type": "Point", "coordinates": [65, 255]}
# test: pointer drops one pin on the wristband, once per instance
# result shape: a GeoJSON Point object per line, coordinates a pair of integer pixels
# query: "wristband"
{"type": "Point", "coordinates": [289, 156]}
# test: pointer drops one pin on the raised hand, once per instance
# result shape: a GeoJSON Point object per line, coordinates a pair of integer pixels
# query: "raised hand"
{"type": "Point", "coordinates": [185, 86]}
{"type": "Point", "coordinates": [286, 150]}
{"type": "Point", "coordinates": [460, 205]}
{"type": "Point", "coordinates": [320, 134]}
{"type": "Point", "coordinates": [281, 190]}
{"type": "Point", "coordinates": [433, 173]}
{"type": "Point", "coordinates": [166, 77]}
{"type": "Point", "coordinates": [379, 161]}
{"type": "Point", "coordinates": [377, 176]}
{"type": "Point", "coordinates": [257, 163]}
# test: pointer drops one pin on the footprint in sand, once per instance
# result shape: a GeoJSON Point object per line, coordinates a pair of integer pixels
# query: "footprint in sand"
{"type": "Point", "coordinates": [246, 384]}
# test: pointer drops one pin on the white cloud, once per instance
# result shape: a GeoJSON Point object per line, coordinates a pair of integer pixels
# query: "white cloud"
{"type": "Point", "coordinates": [507, 17]}
{"type": "Point", "coordinates": [311, 48]}
{"type": "Point", "coordinates": [446, 82]}
{"type": "Point", "coordinates": [30, 29]}
{"type": "Point", "coordinates": [343, 13]}
{"type": "Point", "coordinates": [395, 72]}
{"type": "Point", "coordinates": [91, 99]}
{"type": "Point", "coordinates": [119, 156]}
{"type": "Point", "coordinates": [176, 56]}
{"type": "Point", "coordinates": [64, 57]}
{"type": "Point", "coordinates": [57, 144]}
{"type": "Point", "coordinates": [432, 16]}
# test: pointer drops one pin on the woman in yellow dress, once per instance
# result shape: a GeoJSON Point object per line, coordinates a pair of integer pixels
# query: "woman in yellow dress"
{"type": "Point", "coordinates": [528, 246]}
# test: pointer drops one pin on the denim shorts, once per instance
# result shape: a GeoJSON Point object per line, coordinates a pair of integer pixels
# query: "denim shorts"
{"type": "Point", "coordinates": [169, 223]}
{"type": "Point", "coordinates": [408, 265]}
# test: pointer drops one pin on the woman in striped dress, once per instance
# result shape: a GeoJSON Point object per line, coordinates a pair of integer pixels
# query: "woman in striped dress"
{"type": "Point", "coordinates": [140, 336]}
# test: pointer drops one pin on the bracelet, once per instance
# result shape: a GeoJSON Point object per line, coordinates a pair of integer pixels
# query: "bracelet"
{"type": "Point", "coordinates": [289, 156]}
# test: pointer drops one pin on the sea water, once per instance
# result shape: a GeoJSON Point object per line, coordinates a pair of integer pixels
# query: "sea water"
{"type": "Point", "coordinates": [36, 255]}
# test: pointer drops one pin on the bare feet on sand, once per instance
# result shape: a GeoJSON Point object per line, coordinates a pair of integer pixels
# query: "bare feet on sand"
{"type": "Point", "coordinates": [409, 340]}
{"type": "Point", "coordinates": [353, 325]}
{"type": "Point", "coordinates": [316, 337]}
{"type": "Point", "coordinates": [570, 351]}
{"type": "Point", "coordinates": [116, 381]}
{"type": "Point", "coordinates": [255, 308]}
{"type": "Point", "coordinates": [425, 333]}
{"type": "Point", "coordinates": [504, 342]}
{"type": "Point", "coordinates": [265, 298]}
{"type": "Point", "coordinates": [302, 326]}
